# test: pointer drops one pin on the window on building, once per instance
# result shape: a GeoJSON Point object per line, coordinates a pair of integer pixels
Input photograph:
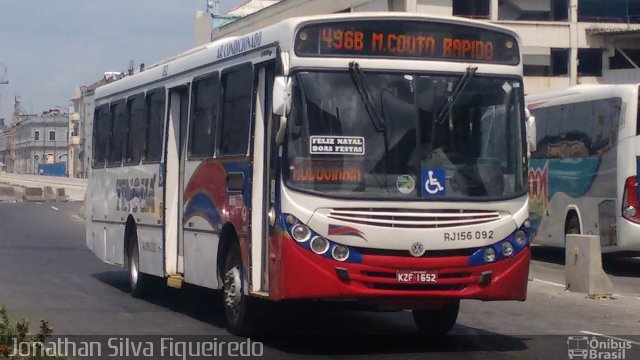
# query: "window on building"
{"type": "Point", "coordinates": [616, 11]}
{"type": "Point", "coordinates": [36, 135]}
{"type": "Point", "coordinates": [556, 65]}
{"type": "Point", "coordinates": [620, 61]}
{"type": "Point", "coordinates": [590, 62]}
{"type": "Point", "coordinates": [236, 110]}
{"type": "Point", "coordinates": [476, 9]}
{"type": "Point", "coordinates": [559, 10]}
{"type": "Point", "coordinates": [52, 135]}
{"type": "Point", "coordinates": [559, 62]}
{"type": "Point", "coordinates": [155, 106]}
{"type": "Point", "coordinates": [204, 116]}
{"type": "Point", "coordinates": [137, 134]}
{"type": "Point", "coordinates": [549, 10]}
{"type": "Point", "coordinates": [117, 141]}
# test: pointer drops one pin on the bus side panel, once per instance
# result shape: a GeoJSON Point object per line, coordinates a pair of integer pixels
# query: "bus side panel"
{"type": "Point", "coordinates": [150, 250]}
{"type": "Point", "coordinates": [202, 224]}
{"type": "Point", "coordinates": [208, 207]}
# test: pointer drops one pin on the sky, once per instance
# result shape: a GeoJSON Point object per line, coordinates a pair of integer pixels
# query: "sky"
{"type": "Point", "coordinates": [51, 46]}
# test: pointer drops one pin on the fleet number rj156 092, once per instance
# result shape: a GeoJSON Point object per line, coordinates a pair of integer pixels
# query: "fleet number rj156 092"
{"type": "Point", "coordinates": [468, 235]}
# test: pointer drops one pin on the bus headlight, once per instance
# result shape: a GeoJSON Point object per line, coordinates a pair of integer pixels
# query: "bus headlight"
{"type": "Point", "coordinates": [340, 253]}
{"type": "Point", "coordinates": [507, 249]}
{"type": "Point", "coordinates": [629, 211]}
{"type": "Point", "coordinates": [521, 237]}
{"type": "Point", "coordinates": [300, 233]}
{"type": "Point", "coordinates": [489, 255]}
{"type": "Point", "coordinates": [319, 245]}
{"type": "Point", "coordinates": [291, 220]}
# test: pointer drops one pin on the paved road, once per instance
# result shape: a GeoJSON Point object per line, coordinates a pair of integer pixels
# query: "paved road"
{"type": "Point", "coordinates": [46, 272]}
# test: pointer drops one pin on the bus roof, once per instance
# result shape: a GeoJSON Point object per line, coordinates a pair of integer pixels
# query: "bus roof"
{"type": "Point", "coordinates": [210, 53]}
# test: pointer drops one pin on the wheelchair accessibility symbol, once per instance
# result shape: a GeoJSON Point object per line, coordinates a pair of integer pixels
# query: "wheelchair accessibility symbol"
{"type": "Point", "coordinates": [433, 182]}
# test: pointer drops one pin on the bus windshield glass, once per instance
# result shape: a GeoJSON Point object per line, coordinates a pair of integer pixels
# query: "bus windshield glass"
{"type": "Point", "coordinates": [406, 136]}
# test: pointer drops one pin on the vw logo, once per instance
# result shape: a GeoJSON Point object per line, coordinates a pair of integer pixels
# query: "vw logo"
{"type": "Point", "coordinates": [417, 249]}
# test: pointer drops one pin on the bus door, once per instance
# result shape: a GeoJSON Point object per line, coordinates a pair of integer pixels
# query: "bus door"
{"type": "Point", "coordinates": [263, 182]}
{"type": "Point", "coordinates": [178, 110]}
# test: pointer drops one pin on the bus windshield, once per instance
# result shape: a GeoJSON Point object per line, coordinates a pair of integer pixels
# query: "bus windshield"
{"type": "Point", "coordinates": [394, 135]}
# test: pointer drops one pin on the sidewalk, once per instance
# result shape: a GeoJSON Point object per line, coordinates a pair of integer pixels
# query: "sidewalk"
{"type": "Point", "coordinates": [75, 188]}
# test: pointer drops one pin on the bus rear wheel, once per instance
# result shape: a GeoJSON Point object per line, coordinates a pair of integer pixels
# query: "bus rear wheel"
{"type": "Point", "coordinates": [138, 282]}
{"type": "Point", "coordinates": [437, 321]}
{"type": "Point", "coordinates": [239, 309]}
{"type": "Point", "coordinates": [572, 226]}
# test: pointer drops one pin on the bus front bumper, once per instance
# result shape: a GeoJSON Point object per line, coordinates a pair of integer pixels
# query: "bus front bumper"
{"type": "Point", "coordinates": [301, 274]}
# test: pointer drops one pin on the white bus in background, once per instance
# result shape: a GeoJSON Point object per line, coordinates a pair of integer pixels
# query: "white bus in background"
{"type": "Point", "coordinates": [377, 157]}
{"type": "Point", "coordinates": [583, 174]}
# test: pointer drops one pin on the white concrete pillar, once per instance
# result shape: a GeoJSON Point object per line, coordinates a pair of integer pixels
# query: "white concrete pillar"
{"type": "Point", "coordinates": [573, 51]}
{"type": "Point", "coordinates": [412, 6]}
{"type": "Point", "coordinates": [493, 10]}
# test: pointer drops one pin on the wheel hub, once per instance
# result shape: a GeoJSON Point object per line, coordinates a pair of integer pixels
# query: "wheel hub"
{"type": "Point", "coordinates": [232, 291]}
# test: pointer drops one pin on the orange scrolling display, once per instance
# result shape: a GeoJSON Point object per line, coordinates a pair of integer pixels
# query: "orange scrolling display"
{"type": "Point", "coordinates": [326, 172]}
{"type": "Point", "coordinates": [408, 44]}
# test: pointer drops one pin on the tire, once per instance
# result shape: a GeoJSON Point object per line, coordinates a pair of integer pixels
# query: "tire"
{"type": "Point", "coordinates": [572, 226]}
{"type": "Point", "coordinates": [239, 309]}
{"type": "Point", "coordinates": [139, 283]}
{"type": "Point", "coordinates": [439, 321]}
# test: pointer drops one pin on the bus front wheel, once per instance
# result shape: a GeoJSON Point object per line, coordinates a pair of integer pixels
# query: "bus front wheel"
{"type": "Point", "coordinates": [238, 307]}
{"type": "Point", "coordinates": [437, 321]}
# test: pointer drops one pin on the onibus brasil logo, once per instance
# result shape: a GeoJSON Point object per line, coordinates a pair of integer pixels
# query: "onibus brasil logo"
{"type": "Point", "coordinates": [593, 348]}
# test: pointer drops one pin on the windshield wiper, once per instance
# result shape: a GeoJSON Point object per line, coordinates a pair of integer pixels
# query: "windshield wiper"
{"type": "Point", "coordinates": [377, 120]}
{"type": "Point", "coordinates": [455, 94]}
{"type": "Point", "coordinates": [367, 98]}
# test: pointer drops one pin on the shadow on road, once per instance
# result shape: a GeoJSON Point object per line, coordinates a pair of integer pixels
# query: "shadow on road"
{"type": "Point", "coordinates": [199, 303]}
{"type": "Point", "coordinates": [548, 254]}
{"type": "Point", "coordinates": [616, 265]}
{"type": "Point", "coordinates": [622, 266]}
{"type": "Point", "coordinates": [305, 327]}
{"type": "Point", "coordinates": [405, 345]}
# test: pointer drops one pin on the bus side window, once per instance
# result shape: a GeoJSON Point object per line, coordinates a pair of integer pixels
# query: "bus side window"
{"type": "Point", "coordinates": [204, 116]}
{"type": "Point", "coordinates": [118, 136]}
{"type": "Point", "coordinates": [136, 130]}
{"type": "Point", "coordinates": [154, 110]}
{"type": "Point", "coordinates": [101, 134]}
{"type": "Point", "coordinates": [235, 123]}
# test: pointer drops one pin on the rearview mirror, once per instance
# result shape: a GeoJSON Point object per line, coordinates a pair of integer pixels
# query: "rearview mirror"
{"type": "Point", "coordinates": [281, 96]}
{"type": "Point", "coordinates": [531, 131]}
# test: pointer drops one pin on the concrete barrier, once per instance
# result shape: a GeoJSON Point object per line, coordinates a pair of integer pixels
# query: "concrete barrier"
{"type": "Point", "coordinates": [74, 188]}
{"type": "Point", "coordinates": [33, 194]}
{"type": "Point", "coordinates": [7, 193]}
{"type": "Point", "coordinates": [583, 266]}
{"type": "Point", "coordinates": [49, 195]}
{"type": "Point", "coordinates": [62, 195]}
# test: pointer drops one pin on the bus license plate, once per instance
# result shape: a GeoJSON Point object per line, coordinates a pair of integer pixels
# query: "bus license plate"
{"type": "Point", "coordinates": [416, 277]}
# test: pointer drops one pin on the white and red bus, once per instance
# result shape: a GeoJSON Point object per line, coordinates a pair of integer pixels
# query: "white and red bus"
{"type": "Point", "coordinates": [377, 157]}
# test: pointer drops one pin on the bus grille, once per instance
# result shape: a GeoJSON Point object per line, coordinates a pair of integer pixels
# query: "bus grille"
{"type": "Point", "coordinates": [411, 218]}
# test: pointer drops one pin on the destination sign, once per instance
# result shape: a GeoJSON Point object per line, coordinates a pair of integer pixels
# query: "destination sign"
{"type": "Point", "coordinates": [407, 39]}
{"type": "Point", "coordinates": [326, 172]}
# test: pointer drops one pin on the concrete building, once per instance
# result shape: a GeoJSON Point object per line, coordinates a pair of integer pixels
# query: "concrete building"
{"type": "Point", "coordinates": [564, 42]}
{"type": "Point", "coordinates": [80, 115]}
{"type": "Point", "coordinates": [73, 166]}
{"type": "Point", "coordinates": [40, 139]}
